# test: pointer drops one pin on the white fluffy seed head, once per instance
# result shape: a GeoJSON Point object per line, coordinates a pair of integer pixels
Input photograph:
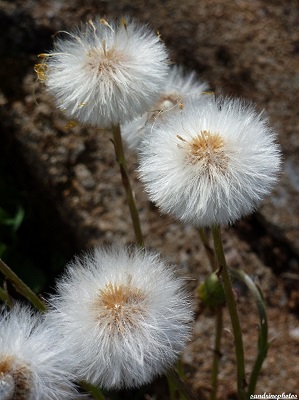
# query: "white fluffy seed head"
{"type": "Point", "coordinates": [105, 73]}
{"type": "Point", "coordinates": [124, 315]}
{"type": "Point", "coordinates": [32, 366]}
{"type": "Point", "coordinates": [210, 163]}
{"type": "Point", "coordinates": [178, 85]}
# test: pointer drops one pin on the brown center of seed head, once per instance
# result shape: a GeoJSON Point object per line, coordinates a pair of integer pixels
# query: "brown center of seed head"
{"type": "Point", "coordinates": [206, 147]}
{"type": "Point", "coordinates": [121, 304]}
{"type": "Point", "coordinates": [165, 103]}
{"type": "Point", "coordinates": [17, 377]}
{"type": "Point", "coordinates": [104, 60]}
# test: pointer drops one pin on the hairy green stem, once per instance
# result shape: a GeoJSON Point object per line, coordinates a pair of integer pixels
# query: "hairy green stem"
{"type": "Point", "coordinates": [208, 249]}
{"type": "Point", "coordinates": [219, 318]}
{"type": "Point", "coordinates": [21, 287]}
{"type": "Point", "coordinates": [232, 307]}
{"type": "Point", "coordinates": [4, 296]}
{"type": "Point", "coordinates": [120, 157]}
{"type": "Point", "coordinates": [175, 381]}
{"type": "Point", "coordinates": [172, 388]}
{"type": "Point", "coordinates": [217, 353]}
{"type": "Point", "coordinates": [93, 390]}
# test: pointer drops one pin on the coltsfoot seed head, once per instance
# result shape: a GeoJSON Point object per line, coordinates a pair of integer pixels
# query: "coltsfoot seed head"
{"type": "Point", "coordinates": [105, 73]}
{"type": "Point", "coordinates": [178, 85]}
{"type": "Point", "coordinates": [210, 163]}
{"type": "Point", "coordinates": [32, 365]}
{"type": "Point", "coordinates": [124, 314]}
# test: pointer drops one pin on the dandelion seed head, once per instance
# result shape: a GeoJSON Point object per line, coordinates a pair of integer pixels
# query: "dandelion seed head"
{"type": "Point", "coordinates": [32, 365]}
{"type": "Point", "coordinates": [124, 314]}
{"type": "Point", "coordinates": [210, 163]}
{"type": "Point", "coordinates": [178, 86]}
{"type": "Point", "coordinates": [7, 386]}
{"type": "Point", "coordinates": [15, 379]}
{"type": "Point", "coordinates": [105, 73]}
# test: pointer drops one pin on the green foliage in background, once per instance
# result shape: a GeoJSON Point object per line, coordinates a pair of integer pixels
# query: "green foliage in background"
{"type": "Point", "coordinates": [23, 244]}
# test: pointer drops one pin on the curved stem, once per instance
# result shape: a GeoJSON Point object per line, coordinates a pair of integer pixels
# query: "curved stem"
{"type": "Point", "coordinates": [120, 157]}
{"type": "Point", "coordinates": [21, 287]}
{"type": "Point", "coordinates": [232, 307]}
{"type": "Point", "coordinates": [209, 251]}
{"type": "Point", "coordinates": [263, 344]}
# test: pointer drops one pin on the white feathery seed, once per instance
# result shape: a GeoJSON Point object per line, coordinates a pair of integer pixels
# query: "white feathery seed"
{"type": "Point", "coordinates": [178, 85]}
{"type": "Point", "coordinates": [32, 365]}
{"type": "Point", "coordinates": [210, 163]}
{"type": "Point", "coordinates": [106, 72]}
{"type": "Point", "coordinates": [124, 314]}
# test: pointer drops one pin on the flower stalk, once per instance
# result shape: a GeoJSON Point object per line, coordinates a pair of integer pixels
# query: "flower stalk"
{"type": "Point", "coordinates": [4, 296]}
{"type": "Point", "coordinates": [21, 287]}
{"type": "Point", "coordinates": [232, 307]}
{"type": "Point", "coordinates": [217, 352]}
{"type": "Point", "coordinates": [219, 318]}
{"type": "Point", "coordinates": [208, 249]}
{"type": "Point", "coordinates": [176, 382]}
{"type": "Point", "coordinates": [120, 157]}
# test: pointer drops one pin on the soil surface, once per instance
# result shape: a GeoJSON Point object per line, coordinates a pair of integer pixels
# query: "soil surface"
{"type": "Point", "coordinates": [242, 48]}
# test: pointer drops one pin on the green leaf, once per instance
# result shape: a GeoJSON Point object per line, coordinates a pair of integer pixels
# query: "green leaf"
{"type": "Point", "coordinates": [263, 344]}
{"type": "Point", "coordinates": [14, 221]}
{"type": "Point", "coordinates": [3, 249]}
